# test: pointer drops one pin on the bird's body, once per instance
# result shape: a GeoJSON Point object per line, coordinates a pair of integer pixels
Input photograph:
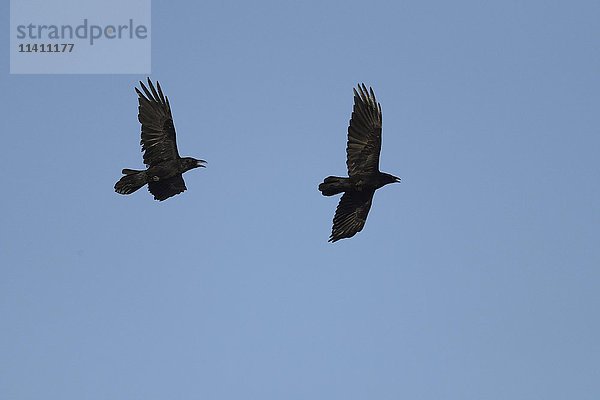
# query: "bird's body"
{"type": "Point", "coordinates": [364, 178]}
{"type": "Point", "coordinates": [169, 169]}
{"type": "Point", "coordinates": [360, 183]}
{"type": "Point", "coordinates": [165, 166]}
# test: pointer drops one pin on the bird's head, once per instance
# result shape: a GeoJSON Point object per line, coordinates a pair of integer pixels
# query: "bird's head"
{"type": "Point", "coordinates": [390, 178]}
{"type": "Point", "coordinates": [191, 163]}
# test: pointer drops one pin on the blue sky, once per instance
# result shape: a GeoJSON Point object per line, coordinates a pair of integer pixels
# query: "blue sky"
{"type": "Point", "coordinates": [475, 278]}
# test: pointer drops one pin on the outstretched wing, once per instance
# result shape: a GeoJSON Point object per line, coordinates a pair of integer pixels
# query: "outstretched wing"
{"type": "Point", "coordinates": [364, 133]}
{"type": "Point", "coordinates": [158, 132]}
{"type": "Point", "coordinates": [351, 214]}
{"type": "Point", "coordinates": [166, 188]}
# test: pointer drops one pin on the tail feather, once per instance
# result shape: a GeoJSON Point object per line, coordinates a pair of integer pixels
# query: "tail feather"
{"type": "Point", "coordinates": [132, 181]}
{"type": "Point", "coordinates": [333, 185]}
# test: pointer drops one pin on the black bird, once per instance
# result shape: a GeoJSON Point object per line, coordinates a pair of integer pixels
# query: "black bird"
{"type": "Point", "coordinates": [165, 166]}
{"type": "Point", "coordinates": [363, 148]}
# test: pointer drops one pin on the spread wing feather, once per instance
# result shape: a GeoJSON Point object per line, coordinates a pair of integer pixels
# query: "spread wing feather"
{"type": "Point", "coordinates": [364, 133]}
{"type": "Point", "coordinates": [351, 214]}
{"type": "Point", "coordinates": [158, 132]}
{"type": "Point", "coordinates": [166, 188]}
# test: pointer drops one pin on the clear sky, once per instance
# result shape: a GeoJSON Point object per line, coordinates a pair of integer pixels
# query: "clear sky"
{"type": "Point", "coordinates": [477, 277]}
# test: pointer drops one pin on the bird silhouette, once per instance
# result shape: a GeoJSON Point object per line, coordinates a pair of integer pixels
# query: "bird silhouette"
{"type": "Point", "coordinates": [165, 168]}
{"type": "Point", "coordinates": [362, 150]}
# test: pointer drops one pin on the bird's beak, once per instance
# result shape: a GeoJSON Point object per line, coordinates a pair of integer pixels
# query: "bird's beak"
{"type": "Point", "coordinates": [396, 179]}
{"type": "Point", "coordinates": [200, 163]}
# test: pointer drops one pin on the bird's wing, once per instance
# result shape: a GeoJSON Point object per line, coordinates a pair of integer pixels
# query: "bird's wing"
{"type": "Point", "coordinates": [158, 132]}
{"type": "Point", "coordinates": [351, 214]}
{"type": "Point", "coordinates": [364, 133]}
{"type": "Point", "coordinates": [166, 188]}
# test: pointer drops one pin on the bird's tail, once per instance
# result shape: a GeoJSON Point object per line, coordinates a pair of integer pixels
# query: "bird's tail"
{"type": "Point", "coordinates": [132, 181]}
{"type": "Point", "coordinates": [333, 185]}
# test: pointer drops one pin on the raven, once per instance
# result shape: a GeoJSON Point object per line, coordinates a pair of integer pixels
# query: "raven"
{"type": "Point", "coordinates": [165, 166]}
{"type": "Point", "coordinates": [362, 149]}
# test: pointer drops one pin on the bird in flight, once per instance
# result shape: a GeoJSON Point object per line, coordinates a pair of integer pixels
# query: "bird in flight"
{"type": "Point", "coordinates": [164, 165]}
{"type": "Point", "coordinates": [362, 150]}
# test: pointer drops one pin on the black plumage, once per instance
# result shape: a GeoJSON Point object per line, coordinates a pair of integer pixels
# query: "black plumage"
{"type": "Point", "coordinates": [362, 150]}
{"type": "Point", "coordinates": [164, 165]}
